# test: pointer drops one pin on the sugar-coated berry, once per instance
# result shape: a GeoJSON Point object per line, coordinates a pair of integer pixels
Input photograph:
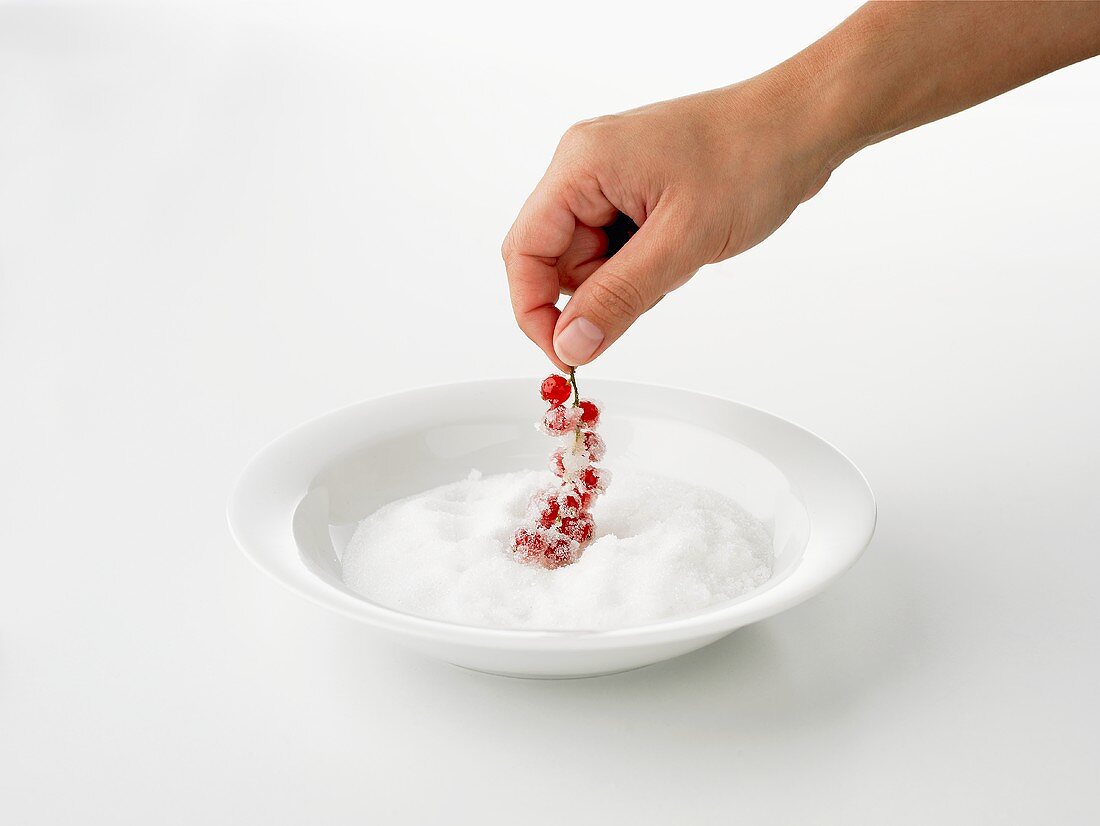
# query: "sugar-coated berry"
{"type": "Point", "coordinates": [540, 497]}
{"type": "Point", "coordinates": [559, 551]}
{"type": "Point", "coordinates": [559, 523]}
{"type": "Point", "coordinates": [529, 544]}
{"type": "Point", "coordinates": [592, 478]}
{"type": "Point", "coordinates": [594, 448]}
{"type": "Point", "coordinates": [583, 498]}
{"type": "Point", "coordinates": [555, 389]}
{"type": "Point", "coordinates": [559, 420]}
{"type": "Point", "coordinates": [590, 414]}
{"type": "Point", "coordinates": [549, 513]}
{"type": "Point", "coordinates": [579, 527]}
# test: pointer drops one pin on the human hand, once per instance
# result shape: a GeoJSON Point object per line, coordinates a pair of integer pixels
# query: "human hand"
{"type": "Point", "coordinates": [704, 177]}
{"type": "Point", "coordinates": [708, 176]}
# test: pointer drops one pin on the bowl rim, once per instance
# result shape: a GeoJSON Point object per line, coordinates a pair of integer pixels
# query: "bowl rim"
{"type": "Point", "coordinates": [248, 491]}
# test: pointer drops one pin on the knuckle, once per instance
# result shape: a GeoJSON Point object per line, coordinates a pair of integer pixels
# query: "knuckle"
{"type": "Point", "coordinates": [577, 130]}
{"type": "Point", "coordinates": [617, 296]}
{"type": "Point", "coordinates": [583, 135]}
{"type": "Point", "coordinates": [569, 140]}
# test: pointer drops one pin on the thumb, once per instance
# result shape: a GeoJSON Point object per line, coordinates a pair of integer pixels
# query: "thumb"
{"type": "Point", "coordinates": [653, 262]}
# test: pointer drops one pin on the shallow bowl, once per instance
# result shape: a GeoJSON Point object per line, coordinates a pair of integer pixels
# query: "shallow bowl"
{"type": "Point", "coordinates": [299, 499]}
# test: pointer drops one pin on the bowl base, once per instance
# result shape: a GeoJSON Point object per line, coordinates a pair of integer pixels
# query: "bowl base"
{"type": "Point", "coordinates": [518, 676]}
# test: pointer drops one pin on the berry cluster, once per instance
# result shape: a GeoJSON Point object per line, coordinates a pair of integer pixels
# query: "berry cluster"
{"type": "Point", "coordinates": [560, 522]}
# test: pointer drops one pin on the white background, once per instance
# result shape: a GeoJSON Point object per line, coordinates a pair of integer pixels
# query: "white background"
{"type": "Point", "coordinates": [217, 221]}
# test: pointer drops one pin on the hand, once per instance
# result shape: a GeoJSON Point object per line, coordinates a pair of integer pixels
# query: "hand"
{"type": "Point", "coordinates": [704, 177]}
{"type": "Point", "coordinates": [708, 176]}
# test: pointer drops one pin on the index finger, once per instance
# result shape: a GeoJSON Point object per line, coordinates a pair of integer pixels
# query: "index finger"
{"type": "Point", "coordinates": [541, 233]}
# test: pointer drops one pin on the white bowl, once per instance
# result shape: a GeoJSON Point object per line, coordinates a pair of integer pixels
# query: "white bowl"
{"type": "Point", "coordinates": [299, 499]}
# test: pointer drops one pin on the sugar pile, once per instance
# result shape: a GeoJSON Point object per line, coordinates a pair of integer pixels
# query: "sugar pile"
{"type": "Point", "coordinates": [663, 548]}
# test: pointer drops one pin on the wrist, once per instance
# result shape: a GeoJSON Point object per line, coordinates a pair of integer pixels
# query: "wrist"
{"type": "Point", "coordinates": [802, 111]}
{"type": "Point", "coordinates": [846, 87]}
{"type": "Point", "coordinates": [830, 108]}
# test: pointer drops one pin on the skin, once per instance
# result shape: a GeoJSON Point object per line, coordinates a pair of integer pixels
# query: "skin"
{"type": "Point", "coordinates": [708, 176]}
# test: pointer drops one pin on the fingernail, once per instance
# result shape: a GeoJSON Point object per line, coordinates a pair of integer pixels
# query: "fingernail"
{"type": "Point", "coordinates": [578, 341]}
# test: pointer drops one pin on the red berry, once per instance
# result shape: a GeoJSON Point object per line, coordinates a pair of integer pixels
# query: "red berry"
{"type": "Point", "coordinates": [560, 524]}
{"type": "Point", "coordinates": [559, 551]}
{"type": "Point", "coordinates": [579, 527]}
{"type": "Point", "coordinates": [594, 447]}
{"type": "Point", "coordinates": [549, 513]}
{"type": "Point", "coordinates": [555, 389]}
{"type": "Point", "coordinates": [591, 478]}
{"type": "Point", "coordinates": [528, 544]}
{"type": "Point", "coordinates": [559, 421]}
{"type": "Point", "coordinates": [583, 498]}
{"type": "Point", "coordinates": [590, 414]}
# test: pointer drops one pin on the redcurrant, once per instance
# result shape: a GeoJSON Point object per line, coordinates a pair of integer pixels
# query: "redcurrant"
{"type": "Point", "coordinates": [559, 551]}
{"type": "Point", "coordinates": [557, 462]}
{"type": "Point", "coordinates": [555, 389]}
{"type": "Point", "coordinates": [594, 447]}
{"type": "Point", "coordinates": [528, 544]}
{"type": "Point", "coordinates": [583, 498]}
{"type": "Point", "coordinates": [592, 478]}
{"type": "Point", "coordinates": [549, 513]}
{"type": "Point", "coordinates": [560, 524]}
{"type": "Point", "coordinates": [559, 420]}
{"type": "Point", "coordinates": [579, 527]}
{"type": "Point", "coordinates": [590, 414]}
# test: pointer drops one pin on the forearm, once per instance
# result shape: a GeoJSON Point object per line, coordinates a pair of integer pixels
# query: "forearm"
{"type": "Point", "coordinates": [893, 66]}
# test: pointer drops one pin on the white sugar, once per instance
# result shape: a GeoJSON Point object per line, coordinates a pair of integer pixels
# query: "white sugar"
{"type": "Point", "coordinates": [662, 548]}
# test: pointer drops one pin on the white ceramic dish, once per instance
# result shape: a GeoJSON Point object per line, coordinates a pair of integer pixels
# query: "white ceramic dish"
{"type": "Point", "coordinates": [298, 501]}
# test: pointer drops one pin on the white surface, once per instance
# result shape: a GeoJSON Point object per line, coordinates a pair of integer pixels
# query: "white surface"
{"type": "Point", "coordinates": [298, 498]}
{"type": "Point", "coordinates": [217, 223]}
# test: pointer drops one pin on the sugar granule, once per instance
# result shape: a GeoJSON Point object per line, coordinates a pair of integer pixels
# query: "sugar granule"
{"type": "Point", "coordinates": [662, 548]}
